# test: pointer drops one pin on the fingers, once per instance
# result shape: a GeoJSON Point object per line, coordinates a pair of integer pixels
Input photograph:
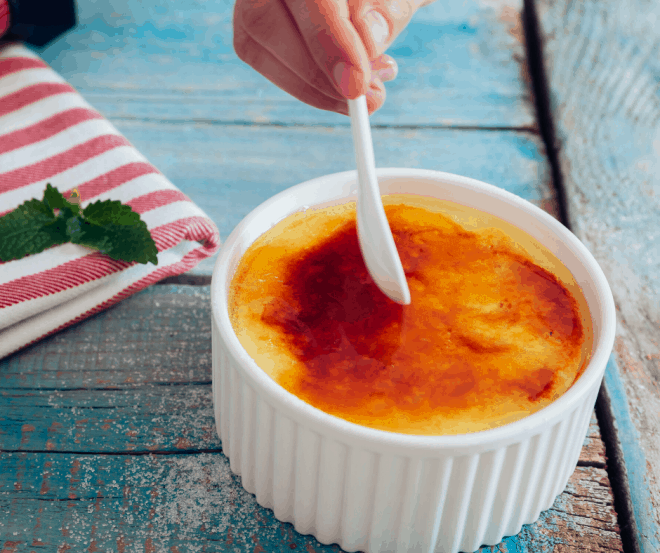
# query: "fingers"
{"type": "Point", "coordinates": [273, 34]}
{"type": "Point", "coordinates": [375, 95]}
{"type": "Point", "coordinates": [342, 35]}
{"type": "Point", "coordinates": [314, 51]}
{"type": "Point", "coordinates": [385, 68]}
{"type": "Point", "coordinates": [379, 22]}
{"type": "Point", "coordinates": [333, 43]}
{"type": "Point", "coordinates": [282, 76]}
{"type": "Point", "coordinates": [372, 22]}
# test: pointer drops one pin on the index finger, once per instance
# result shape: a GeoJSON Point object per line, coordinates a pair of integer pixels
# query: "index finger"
{"type": "Point", "coordinates": [334, 43]}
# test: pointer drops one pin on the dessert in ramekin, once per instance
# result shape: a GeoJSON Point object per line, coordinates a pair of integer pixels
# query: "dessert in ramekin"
{"type": "Point", "coordinates": [378, 491]}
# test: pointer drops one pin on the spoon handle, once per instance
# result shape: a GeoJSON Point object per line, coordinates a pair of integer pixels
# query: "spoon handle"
{"type": "Point", "coordinates": [364, 146]}
{"type": "Point", "coordinates": [374, 234]}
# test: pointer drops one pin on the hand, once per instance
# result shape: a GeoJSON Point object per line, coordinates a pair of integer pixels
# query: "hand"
{"type": "Point", "coordinates": [323, 51]}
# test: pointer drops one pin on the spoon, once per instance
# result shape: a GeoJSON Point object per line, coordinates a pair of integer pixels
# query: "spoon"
{"type": "Point", "coordinates": [374, 233]}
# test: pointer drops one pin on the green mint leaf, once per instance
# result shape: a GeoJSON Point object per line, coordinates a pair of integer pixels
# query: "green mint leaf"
{"type": "Point", "coordinates": [30, 228]}
{"type": "Point", "coordinates": [53, 198]}
{"type": "Point", "coordinates": [108, 226]}
{"type": "Point", "coordinates": [123, 242]}
{"type": "Point", "coordinates": [111, 212]}
{"type": "Point", "coordinates": [71, 210]}
{"type": "Point", "coordinates": [116, 230]}
{"type": "Point", "coordinates": [73, 226]}
{"type": "Point", "coordinates": [57, 229]}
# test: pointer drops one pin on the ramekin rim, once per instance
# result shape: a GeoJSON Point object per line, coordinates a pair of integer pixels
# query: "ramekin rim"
{"type": "Point", "coordinates": [481, 439]}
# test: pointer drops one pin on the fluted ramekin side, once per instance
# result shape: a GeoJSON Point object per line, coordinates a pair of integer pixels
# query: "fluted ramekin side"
{"type": "Point", "coordinates": [378, 502]}
{"type": "Point", "coordinates": [382, 492]}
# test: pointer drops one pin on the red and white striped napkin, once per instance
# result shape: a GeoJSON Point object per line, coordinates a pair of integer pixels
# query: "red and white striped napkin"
{"type": "Point", "coordinates": [50, 134]}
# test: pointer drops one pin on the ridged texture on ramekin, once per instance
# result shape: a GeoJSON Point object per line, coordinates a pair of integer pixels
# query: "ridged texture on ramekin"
{"type": "Point", "coordinates": [374, 502]}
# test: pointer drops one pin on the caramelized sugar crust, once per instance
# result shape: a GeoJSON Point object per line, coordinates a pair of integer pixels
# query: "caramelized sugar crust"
{"type": "Point", "coordinates": [489, 337]}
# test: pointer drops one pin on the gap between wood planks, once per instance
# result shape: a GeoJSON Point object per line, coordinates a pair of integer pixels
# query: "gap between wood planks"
{"type": "Point", "coordinates": [615, 467]}
{"type": "Point", "coordinates": [191, 451]}
{"type": "Point", "coordinates": [132, 453]}
{"type": "Point", "coordinates": [248, 123]}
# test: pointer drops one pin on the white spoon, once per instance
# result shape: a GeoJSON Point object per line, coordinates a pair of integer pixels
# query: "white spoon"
{"type": "Point", "coordinates": [374, 233]}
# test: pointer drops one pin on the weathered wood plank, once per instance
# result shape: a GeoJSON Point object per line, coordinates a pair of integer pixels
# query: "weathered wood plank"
{"type": "Point", "coordinates": [182, 503]}
{"type": "Point", "coordinates": [583, 517]}
{"type": "Point", "coordinates": [143, 419]}
{"type": "Point", "coordinates": [229, 170]}
{"type": "Point", "coordinates": [160, 336]}
{"type": "Point", "coordinates": [593, 450]}
{"type": "Point", "coordinates": [138, 420]}
{"type": "Point", "coordinates": [99, 397]}
{"type": "Point", "coordinates": [160, 502]}
{"type": "Point", "coordinates": [461, 63]}
{"type": "Point", "coordinates": [603, 69]}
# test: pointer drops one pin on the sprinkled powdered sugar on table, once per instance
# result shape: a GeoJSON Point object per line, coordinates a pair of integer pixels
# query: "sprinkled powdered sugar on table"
{"type": "Point", "coordinates": [137, 465]}
{"type": "Point", "coordinates": [160, 500]}
{"type": "Point", "coordinates": [196, 490]}
{"type": "Point", "coordinates": [171, 496]}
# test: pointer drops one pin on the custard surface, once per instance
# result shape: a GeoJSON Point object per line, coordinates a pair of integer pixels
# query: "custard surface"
{"type": "Point", "coordinates": [497, 327]}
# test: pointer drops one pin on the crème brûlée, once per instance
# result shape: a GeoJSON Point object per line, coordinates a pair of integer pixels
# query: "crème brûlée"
{"type": "Point", "coordinates": [497, 328]}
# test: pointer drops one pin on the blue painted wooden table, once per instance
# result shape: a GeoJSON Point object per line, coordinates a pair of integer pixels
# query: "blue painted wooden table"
{"type": "Point", "coordinates": [107, 439]}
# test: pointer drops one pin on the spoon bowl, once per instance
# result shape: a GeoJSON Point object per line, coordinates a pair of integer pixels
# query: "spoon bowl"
{"type": "Point", "coordinates": [374, 234]}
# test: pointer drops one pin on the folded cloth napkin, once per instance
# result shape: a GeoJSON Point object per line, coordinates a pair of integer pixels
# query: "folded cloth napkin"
{"type": "Point", "coordinates": [49, 134]}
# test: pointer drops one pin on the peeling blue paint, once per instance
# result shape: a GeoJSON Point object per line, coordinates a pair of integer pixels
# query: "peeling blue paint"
{"type": "Point", "coordinates": [647, 530]}
{"type": "Point", "coordinates": [125, 50]}
{"type": "Point", "coordinates": [459, 63]}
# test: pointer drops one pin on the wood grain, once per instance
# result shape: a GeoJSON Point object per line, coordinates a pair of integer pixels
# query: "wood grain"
{"type": "Point", "coordinates": [193, 502]}
{"type": "Point", "coordinates": [593, 451]}
{"type": "Point", "coordinates": [461, 63]}
{"type": "Point", "coordinates": [98, 452]}
{"type": "Point", "coordinates": [107, 441]}
{"type": "Point", "coordinates": [160, 337]}
{"type": "Point", "coordinates": [603, 69]}
{"type": "Point", "coordinates": [229, 169]}
{"type": "Point", "coordinates": [98, 398]}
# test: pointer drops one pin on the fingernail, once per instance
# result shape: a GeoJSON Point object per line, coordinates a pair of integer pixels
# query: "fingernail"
{"type": "Point", "coordinates": [346, 79]}
{"type": "Point", "coordinates": [375, 98]}
{"type": "Point", "coordinates": [380, 30]}
{"type": "Point", "coordinates": [388, 71]}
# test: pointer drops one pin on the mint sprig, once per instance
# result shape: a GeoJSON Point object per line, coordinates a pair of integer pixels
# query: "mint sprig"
{"type": "Point", "coordinates": [108, 226]}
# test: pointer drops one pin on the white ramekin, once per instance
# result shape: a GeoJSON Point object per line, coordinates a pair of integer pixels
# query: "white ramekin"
{"type": "Point", "coordinates": [378, 491]}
